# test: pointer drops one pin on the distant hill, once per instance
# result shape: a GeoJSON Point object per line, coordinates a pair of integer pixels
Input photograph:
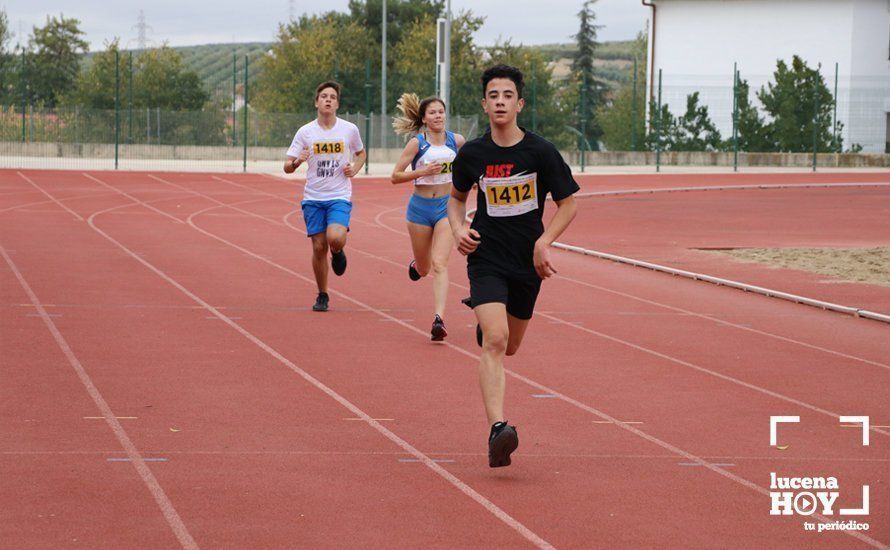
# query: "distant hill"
{"type": "Point", "coordinates": [213, 62]}
{"type": "Point", "coordinates": [612, 60]}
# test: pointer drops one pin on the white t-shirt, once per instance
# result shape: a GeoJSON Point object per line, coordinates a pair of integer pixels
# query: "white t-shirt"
{"type": "Point", "coordinates": [329, 151]}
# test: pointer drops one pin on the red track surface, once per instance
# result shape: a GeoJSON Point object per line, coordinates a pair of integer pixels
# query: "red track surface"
{"type": "Point", "coordinates": [182, 300]}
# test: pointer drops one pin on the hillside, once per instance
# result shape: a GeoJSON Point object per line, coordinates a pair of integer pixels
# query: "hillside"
{"type": "Point", "coordinates": [213, 62]}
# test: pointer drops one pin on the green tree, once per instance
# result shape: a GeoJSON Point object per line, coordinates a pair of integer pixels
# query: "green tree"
{"type": "Point", "coordinates": [591, 94]}
{"type": "Point", "coordinates": [414, 62]}
{"type": "Point", "coordinates": [753, 133]}
{"type": "Point", "coordinates": [662, 128]}
{"type": "Point", "coordinates": [161, 82]}
{"type": "Point", "coordinates": [94, 87]}
{"type": "Point", "coordinates": [694, 130]}
{"type": "Point", "coordinates": [55, 59]}
{"type": "Point", "coordinates": [310, 51]}
{"type": "Point", "coordinates": [161, 79]}
{"type": "Point", "coordinates": [8, 76]}
{"type": "Point", "coordinates": [798, 100]}
{"type": "Point", "coordinates": [623, 121]}
{"type": "Point", "coordinates": [400, 15]}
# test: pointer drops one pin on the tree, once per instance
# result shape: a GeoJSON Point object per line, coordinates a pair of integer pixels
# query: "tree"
{"type": "Point", "coordinates": [623, 121]}
{"type": "Point", "coordinates": [662, 128]}
{"type": "Point", "coordinates": [694, 130]}
{"type": "Point", "coordinates": [310, 51]}
{"type": "Point", "coordinates": [414, 62]}
{"type": "Point", "coordinates": [55, 60]}
{"type": "Point", "coordinates": [94, 88]}
{"type": "Point", "coordinates": [798, 100]}
{"type": "Point", "coordinates": [591, 92]}
{"type": "Point", "coordinates": [8, 75]}
{"type": "Point", "coordinates": [162, 80]}
{"type": "Point", "coordinates": [753, 134]}
{"type": "Point", "coordinates": [400, 15]}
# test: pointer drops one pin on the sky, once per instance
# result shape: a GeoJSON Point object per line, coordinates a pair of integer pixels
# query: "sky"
{"type": "Point", "coordinates": [193, 22]}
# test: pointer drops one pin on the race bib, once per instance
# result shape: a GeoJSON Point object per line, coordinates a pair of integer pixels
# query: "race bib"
{"type": "Point", "coordinates": [511, 196]}
{"type": "Point", "coordinates": [328, 147]}
{"type": "Point", "coordinates": [444, 175]}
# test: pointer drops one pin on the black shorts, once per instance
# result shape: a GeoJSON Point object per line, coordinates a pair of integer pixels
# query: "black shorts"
{"type": "Point", "coordinates": [519, 294]}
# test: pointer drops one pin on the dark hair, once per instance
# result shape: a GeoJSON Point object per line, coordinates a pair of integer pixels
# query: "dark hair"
{"type": "Point", "coordinates": [426, 103]}
{"type": "Point", "coordinates": [503, 71]}
{"type": "Point", "coordinates": [413, 111]}
{"type": "Point", "coordinates": [328, 84]}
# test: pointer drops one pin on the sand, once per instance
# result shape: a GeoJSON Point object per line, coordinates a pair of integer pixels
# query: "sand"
{"type": "Point", "coordinates": [862, 265]}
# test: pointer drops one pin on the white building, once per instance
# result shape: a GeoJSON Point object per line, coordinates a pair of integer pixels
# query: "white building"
{"type": "Point", "coordinates": [696, 42]}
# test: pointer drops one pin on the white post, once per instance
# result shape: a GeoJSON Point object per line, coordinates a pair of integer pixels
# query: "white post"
{"type": "Point", "coordinates": [446, 68]}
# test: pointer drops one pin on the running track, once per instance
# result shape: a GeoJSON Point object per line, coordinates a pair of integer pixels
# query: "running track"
{"type": "Point", "coordinates": [164, 382]}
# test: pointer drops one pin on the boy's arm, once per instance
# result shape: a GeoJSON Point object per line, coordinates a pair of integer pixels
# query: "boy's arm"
{"type": "Point", "coordinates": [466, 239]}
{"type": "Point", "coordinates": [565, 213]}
{"type": "Point", "coordinates": [354, 168]}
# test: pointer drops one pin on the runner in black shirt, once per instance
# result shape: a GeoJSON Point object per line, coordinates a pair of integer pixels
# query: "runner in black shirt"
{"type": "Point", "coordinates": [507, 245]}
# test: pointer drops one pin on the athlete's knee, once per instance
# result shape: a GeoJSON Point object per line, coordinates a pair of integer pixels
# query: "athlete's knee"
{"type": "Point", "coordinates": [337, 242]}
{"type": "Point", "coordinates": [495, 341]}
{"type": "Point", "coordinates": [439, 266]}
{"type": "Point", "coordinates": [422, 267]}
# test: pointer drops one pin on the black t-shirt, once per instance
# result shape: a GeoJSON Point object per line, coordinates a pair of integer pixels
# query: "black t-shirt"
{"type": "Point", "coordinates": [513, 186]}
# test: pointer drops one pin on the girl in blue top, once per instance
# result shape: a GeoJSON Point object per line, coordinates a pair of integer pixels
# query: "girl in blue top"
{"type": "Point", "coordinates": [430, 152]}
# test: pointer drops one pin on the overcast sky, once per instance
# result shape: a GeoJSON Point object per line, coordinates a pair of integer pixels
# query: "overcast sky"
{"type": "Point", "coordinates": [191, 22]}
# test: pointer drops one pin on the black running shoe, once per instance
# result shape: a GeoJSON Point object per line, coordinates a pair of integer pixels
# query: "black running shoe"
{"type": "Point", "coordinates": [321, 303]}
{"type": "Point", "coordinates": [412, 272]}
{"type": "Point", "coordinates": [502, 441]}
{"type": "Point", "coordinates": [479, 335]}
{"type": "Point", "coordinates": [438, 331]}
{"type": "Point", "coordinates": [467, 302]}
{"type": "Point", "coordinates": [338, 262]}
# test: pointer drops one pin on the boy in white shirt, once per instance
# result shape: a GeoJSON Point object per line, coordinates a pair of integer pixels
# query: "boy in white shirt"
{"type": "Point", "coordinates": [326, 143]}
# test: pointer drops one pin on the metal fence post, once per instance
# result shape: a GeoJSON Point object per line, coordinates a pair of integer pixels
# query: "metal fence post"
{"type": "Point", "coordinates": [367, 115]}
{"type": "Point", "coordinates": [23, 84]}
{"type": "Point", "coordinates": [234, 101]}
{"type": "Point", "coordinates": [815, 118]}
{"type": "Point", "coordinates": [735, 117]}
{"type": "Point", "coordinates": [837, 143]}
{"type": "Point", "coordinates": [633, 111]}
{"type": "Point", "coordinates": [658, 128]}
{"type": "Point", "coordinates": [244, 163]}
{"type": "Point", "coordinates": [130, 104]}
{"type": "Point", "coordinates": [117, 104]}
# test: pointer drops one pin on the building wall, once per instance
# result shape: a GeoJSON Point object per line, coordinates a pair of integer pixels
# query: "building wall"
{"type": "Point", "coordinates": [697, 42]}
{"type": "Point", "coordinates": [869, 94]}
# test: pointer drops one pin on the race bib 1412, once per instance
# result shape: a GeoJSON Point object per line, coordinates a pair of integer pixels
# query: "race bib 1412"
{"type": "Point", "coordinates": [511, 196]}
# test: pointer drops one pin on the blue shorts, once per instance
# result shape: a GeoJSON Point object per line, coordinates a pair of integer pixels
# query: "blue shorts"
{"type": "Point", "coordinates": [427, 211]}
{"type": "Point", "coordinates": [318, 215]}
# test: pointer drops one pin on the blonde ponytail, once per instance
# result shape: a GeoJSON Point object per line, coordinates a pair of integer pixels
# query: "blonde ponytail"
{"type": "Point", "coordinates": [410, 121]}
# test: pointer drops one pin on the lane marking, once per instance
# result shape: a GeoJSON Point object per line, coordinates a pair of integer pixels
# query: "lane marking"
{"type": "Point", "coordinates": [428, 462]}
{"type": "Point", "coordinates": [167, 508]}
